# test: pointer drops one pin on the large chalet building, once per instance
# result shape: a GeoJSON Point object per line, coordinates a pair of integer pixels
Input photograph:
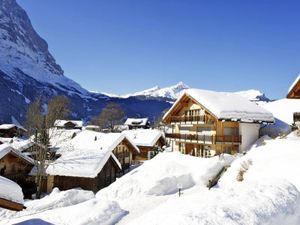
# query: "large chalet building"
{"type": "Point", "coordinates": [206, 123]}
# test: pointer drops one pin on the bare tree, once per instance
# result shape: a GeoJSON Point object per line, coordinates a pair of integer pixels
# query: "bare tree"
{"type": "Point", "coordinates": [38, 123]}
{"type": "Point", "coordinates": [111, 115]}
{"type": "Point", "coordinates": [58, 108]}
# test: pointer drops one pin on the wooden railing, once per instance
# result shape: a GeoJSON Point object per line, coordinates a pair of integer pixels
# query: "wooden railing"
{"type": "Point", "coordinates": [178, 119]}
{"type": "Point", "coordinates": [206, 138]}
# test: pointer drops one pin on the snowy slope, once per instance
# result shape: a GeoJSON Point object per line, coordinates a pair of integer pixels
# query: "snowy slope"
{"type": "Point", "coordinates": [269, 193]}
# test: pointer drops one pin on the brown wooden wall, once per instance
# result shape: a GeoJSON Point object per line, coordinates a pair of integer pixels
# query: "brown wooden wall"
{"type": "Point", "coordinates": [104, 178]}
{"type": "Point", "coordinates": [12, 165]}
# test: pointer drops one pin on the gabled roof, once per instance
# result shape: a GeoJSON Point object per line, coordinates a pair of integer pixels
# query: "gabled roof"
{"type": "Point", "coordinates": [61, 123]}
{"type": "Point", "coordinates": [6, 149]}
{"type": "Point", "coordinates": [294, 90]}
{"type": "Point", "coordinates": [144, 137]}
{"type": "Point", "coordinates": [226, 106]}
{"type": "Point", "coordinates": [137, 121]}
{"type": "Point", "coordinates": [89, 153]}
{"type": "Point", "coordinates": [11, 125]}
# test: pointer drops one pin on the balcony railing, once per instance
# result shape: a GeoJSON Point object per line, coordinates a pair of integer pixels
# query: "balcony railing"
{"type": "Point", "coordinates": [180, 119]}
{"type": "Point", "coordinates": [211, 139]}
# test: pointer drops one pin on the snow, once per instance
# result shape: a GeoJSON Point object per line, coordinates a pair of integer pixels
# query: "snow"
{"type": "Point", "coordinates": [61, 123]}
{"type": "Point", "coordinates": [143, 137]}
{"type": "Point", "coordinates": [268, 193]}
{"type": "Point", "coordinates": [228, 106]}
{"type": "Point", "coordinates": [14, 194]}
{"type": "Point", "coordinates": [66, 207]}
{"type": "Point", "coordinates": [294, 83]}
{"type": "Point", "coordinates": [283, 109]}
{"type": "Point", "coordinates": [172, 92]}
{"type": "Point", "coordinates": [253, 95]}
{"type": "Point", "coordinates": [137, 121]}
{"type": "Point", "coordinates": [6, 149]}
{"type": "Point", "coordinates": [263, 203]}
{"type": "Point", "coordinates": [268, 159]}
{"type": "Point", "coordinates": [86, 155]}
{"type": "Point", "coordinates": [9, 126]}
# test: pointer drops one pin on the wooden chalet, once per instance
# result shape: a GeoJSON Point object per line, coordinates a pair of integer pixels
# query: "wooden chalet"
{"type": "Point", "coordinates": [137, 123]}
{"type": "Point", "coordinates": [206, 123]}
{"type": "Point", "coordinates": [147, 140]}
{"type": "Point", "coordinates": [11, 130]}
{"type": "Point", "coordinates": [68, 124]}
{"type": "Point", "coordinates": [126, 153]}
{"type": "Point", "coordinates": [16, 166]}
{"type": "Point", "coordinates": [96, 160]}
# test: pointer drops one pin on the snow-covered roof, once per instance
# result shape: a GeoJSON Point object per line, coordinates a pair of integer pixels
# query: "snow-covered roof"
{"type": "Point", "coordinates": [61, 123]}
{"type": "Point", "coordinates": [227, 106]}
{"type": "Point", "coordinates": [294, 83]}
{"type": "Point", "coordinates": [283, 109]}
{"type": "Point", "coordinates": [9, 126]}
{"type": "Point", "coordinates": [143, 137]}
{"type": "Point", "coordinates": [137, 121]}
{"type": "Point", "coordinates": [6, 149]}
{"type": "Point", "coordinates": [88, 154]}
{"type": "Point", "coordinates": [10, 190]}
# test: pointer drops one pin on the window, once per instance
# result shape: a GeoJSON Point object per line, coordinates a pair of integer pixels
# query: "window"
{"type": "Point", "coordinates": [231, 131]}
{"type": "Point", "coordinates": [185, 130]}
{"type": "Point", "coordinates": [204, 130]}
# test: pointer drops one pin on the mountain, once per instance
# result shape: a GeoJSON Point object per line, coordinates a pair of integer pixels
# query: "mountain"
{"type": "Point", "coordinates": [28, 70]}
{"type": "Point", "coordinates": [171, 93]}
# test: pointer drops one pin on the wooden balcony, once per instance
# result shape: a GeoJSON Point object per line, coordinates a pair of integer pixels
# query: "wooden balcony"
{"type": "Point", "coordinates": [190, 119]}
{"type": "Point", "coordinates": [206, 139]}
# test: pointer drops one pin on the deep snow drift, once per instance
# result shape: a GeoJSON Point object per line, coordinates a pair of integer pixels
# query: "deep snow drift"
{"type": "Point", "coordinates": [260, 187]}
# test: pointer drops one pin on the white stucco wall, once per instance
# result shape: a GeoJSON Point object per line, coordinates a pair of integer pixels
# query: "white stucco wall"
{"type": "Point", "coordinates": [250, 133]}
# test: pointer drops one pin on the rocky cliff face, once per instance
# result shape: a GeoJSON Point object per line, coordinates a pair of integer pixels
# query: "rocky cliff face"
{"type": "Point", "coordinates": [28, 70]}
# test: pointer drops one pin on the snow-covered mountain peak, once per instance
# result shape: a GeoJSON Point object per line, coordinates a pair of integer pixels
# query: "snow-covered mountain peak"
{"type": "Point", "coordinates": [172, 92]}
{"type": "Point", "coordinates": [23, 51]}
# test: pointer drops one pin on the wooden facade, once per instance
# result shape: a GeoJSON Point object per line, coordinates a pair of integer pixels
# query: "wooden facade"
{"type": "Point", "coordinates": [145, 151]}
{"type": "Point", "coordinates": [104, 178]}
{"type": "Point", "coordinates": [196, 131]}
{"type": "Point", "coordinates": [17, 169]}
{"type": "Point", "coordinates": [294, 93]}
{"type": "Point", "coordinates": [126, 154]}
{"type": "Point", "coordinates": [7, 204]}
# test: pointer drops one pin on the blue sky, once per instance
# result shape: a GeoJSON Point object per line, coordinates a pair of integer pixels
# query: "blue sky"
{"type": "Point", "coordinates": [129, 45]}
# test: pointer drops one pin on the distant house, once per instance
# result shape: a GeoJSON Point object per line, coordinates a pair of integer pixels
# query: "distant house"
{"type": "Point", "coordinates": [91, 164]}
{"type": "Point", "coordinates": [11, 130]}
{"type": "Point", "coordinates": [93, 128]}
{"type": "Point", "coordinates": [137, 123]}
{"type": "Point", "coordinates": [11, 196]}
{"type": "Point", "coordinates": [68, 124]}
{"type": "Point", "coordinates": [294, 93]}
{"type": "Point", "coordinates": [147, 140]}
{"type": "Point", "coordinates": [205, 123]}
{"type": "Point", "coordinates": [15, 166]}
